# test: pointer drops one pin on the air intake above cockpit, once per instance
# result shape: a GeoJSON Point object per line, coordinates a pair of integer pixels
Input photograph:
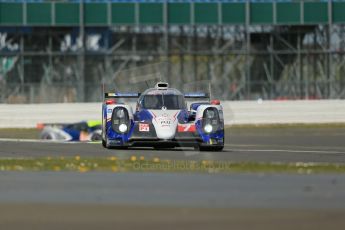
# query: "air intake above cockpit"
{"type": "Point", "coordinates": [162, 85]}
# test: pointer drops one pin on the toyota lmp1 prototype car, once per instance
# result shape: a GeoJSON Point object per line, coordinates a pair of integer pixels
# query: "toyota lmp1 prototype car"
{"type": "Point", "coordinates": [161, 120]}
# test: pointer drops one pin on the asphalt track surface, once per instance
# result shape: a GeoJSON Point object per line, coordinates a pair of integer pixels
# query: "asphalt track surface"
{"type": "Point", "coordinates": [268, 145]}
{"type": "Point", "coordinates": [171, 189]}
{"type": "Point", "coordinates": [70, 200]}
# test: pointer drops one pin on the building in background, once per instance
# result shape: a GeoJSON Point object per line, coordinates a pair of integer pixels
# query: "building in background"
{"type": "Point", "coordinates": [63, 51]}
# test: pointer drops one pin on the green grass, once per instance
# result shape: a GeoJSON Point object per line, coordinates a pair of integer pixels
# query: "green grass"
{"type": "Point", "coordinates": [139, 164]}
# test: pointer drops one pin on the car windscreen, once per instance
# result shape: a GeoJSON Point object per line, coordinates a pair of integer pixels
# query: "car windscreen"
{"type": "Point", "coordinates": [171, 101]}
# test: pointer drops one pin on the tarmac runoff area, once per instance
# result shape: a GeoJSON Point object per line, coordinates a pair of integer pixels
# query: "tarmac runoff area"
{"type": "Point", "coordinates": [105, 200]}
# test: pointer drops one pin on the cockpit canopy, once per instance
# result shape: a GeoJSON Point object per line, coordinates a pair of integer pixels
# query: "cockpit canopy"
{"type": "Point", "coordinates": [170, 99]}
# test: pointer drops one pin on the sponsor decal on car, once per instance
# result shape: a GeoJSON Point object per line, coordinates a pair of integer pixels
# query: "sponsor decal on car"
{"type": "Point", "coordinates": [186, 128]}
{"type": "Point", "coordinates": [165, 122]}
{"type": "Point", "coordinates": [143, 127]}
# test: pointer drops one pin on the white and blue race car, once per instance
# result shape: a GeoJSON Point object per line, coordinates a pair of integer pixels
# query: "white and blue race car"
{"type": "Point", "coordinates": [162, 120]}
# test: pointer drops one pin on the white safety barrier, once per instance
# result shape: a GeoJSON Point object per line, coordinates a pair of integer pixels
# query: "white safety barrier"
{"type": "Point", "coordinates": [284, 112]}
{"type": "Point", "coordinates": [27, 116]}
{"type": "Point", "coordinates": [235, 112]}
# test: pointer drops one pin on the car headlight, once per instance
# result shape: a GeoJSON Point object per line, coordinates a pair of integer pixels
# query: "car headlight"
{"type": "Point", "coordinates": [123, 128]}
{"type": "Point", "coordinates": [210, 114]}
{"type": "Point", "coordinates": [120, 120]}
{"type": "Point", "coordinates": [120, 113]}
{"type": "Point", "coordinates": [208, 128]}
{"type": "Point", "coordinates": [210, 120]}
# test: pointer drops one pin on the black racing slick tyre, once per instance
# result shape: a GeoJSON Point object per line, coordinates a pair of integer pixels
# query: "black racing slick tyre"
{"type": "Point", "coordinates": [163, 147]}
{"type": "Point", "coordinates": [211, 148]}
{"type": "Point", "coordinates": [96, 137]}
{"type": "Point", "coordinates": [105, 145]}
{"type": "Point", "coordinates": [46, 136]}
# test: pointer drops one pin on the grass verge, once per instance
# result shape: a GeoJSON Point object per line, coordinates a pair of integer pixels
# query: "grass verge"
{"type": "Point", "coordinates": [139, 164]}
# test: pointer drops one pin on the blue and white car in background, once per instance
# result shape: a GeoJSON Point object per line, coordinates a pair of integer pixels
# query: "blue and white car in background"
{"type": "Point", "coordinates": [161, 119]}
{"type": "Point", "coordinates": [80, 131]}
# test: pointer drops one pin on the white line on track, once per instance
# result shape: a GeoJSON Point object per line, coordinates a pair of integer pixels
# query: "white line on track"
{"type": "Point", "coordinates": [285, 150]}
{"type": "Point", "coordinates": [327, 148]}
{"type": "Point", "coordinates": [36, 141]}
{"type": "Point", "coordinates": [186, 153]}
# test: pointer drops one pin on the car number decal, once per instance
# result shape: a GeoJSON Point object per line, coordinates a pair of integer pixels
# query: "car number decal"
{"type": "Point", "coordinates": [144, 127]}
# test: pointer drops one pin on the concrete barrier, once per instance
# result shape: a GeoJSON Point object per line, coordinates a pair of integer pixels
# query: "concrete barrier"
{"type": "Point", "coordinates": [236, 112]}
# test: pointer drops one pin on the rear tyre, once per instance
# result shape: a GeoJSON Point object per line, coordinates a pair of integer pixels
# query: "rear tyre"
{"type": "Point", "coordinates": [104, 143]}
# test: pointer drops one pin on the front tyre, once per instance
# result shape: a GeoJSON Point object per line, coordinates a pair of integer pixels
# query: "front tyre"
{"type": "Point", "coordinates": [106, 144]}
{"type": "Point", "coordinates": [163, 147]}
{"type": "Point", "coordinates": [45, 135]}
{"type": "Point", "coordinates": [211, 148]}
{"type": "Point", "coordinates": [96, 137]}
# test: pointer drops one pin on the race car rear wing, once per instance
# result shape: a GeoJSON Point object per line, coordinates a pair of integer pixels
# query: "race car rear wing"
{"type": "Point", "coordinates": [121, 95]}
{"type": "Point", "coordinates": [197, 95]}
